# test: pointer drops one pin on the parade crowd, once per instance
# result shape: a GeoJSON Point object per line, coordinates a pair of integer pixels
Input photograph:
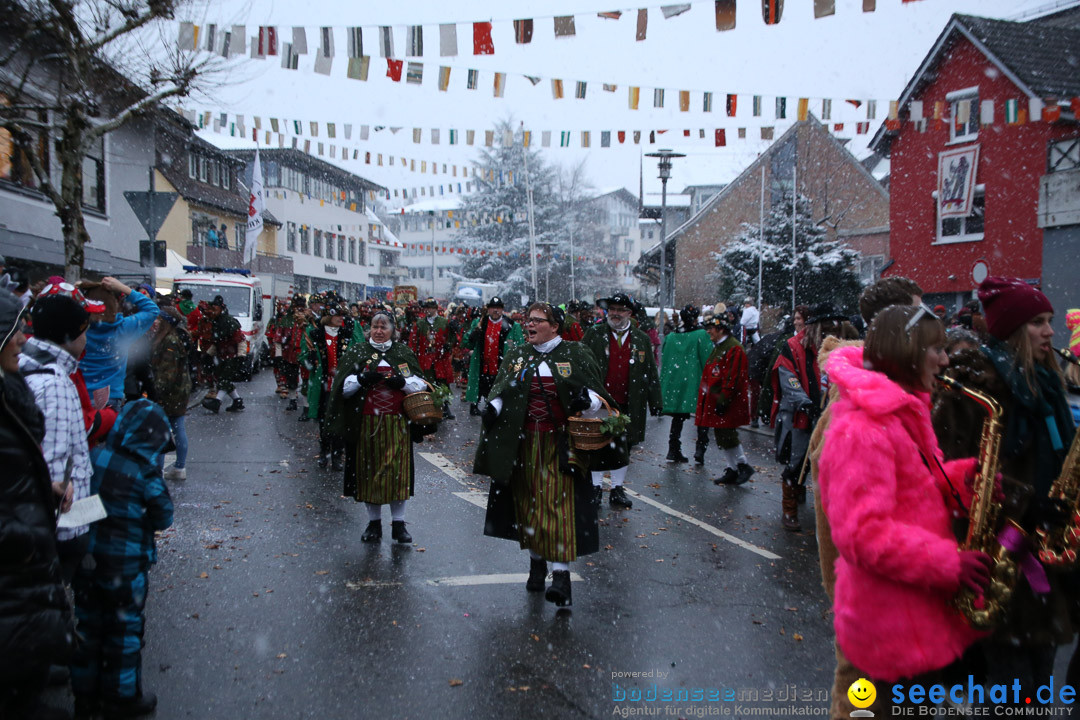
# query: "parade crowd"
{"type": "Point", "coordinates": [98, 380]}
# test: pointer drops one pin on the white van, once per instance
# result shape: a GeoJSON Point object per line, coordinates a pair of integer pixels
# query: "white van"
{"type": "Point", "coordinates": [243, 296]}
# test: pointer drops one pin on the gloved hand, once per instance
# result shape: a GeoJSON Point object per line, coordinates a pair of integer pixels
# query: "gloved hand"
{"type": "Point", "coordinates": [974, 570]}
{"type": "Point", "coordinates": [350, 386]}
{"type": "Point", "coordinates": [489, 416]}
{"type": "Point", "coordinates": [474, 336]}
{"type": "Point", "coordinates": [371, 378]}
{"type": "Point", "coordinates": [397, 382]}
{"type": "Point", "coordinates": [579, 401]}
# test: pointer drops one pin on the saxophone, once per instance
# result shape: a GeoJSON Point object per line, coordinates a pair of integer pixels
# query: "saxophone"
{"type": "Point", "coordinates": [1058, 547]}
{"type": "Point", "coordinates": [982, 533]}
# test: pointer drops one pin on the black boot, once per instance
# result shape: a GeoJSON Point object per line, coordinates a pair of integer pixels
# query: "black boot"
{"type": "Point", "coordinates": [745, 472]}
{"type": "Point", "coordinates": [597, 496]}
{"type": "Point", "coordinates": [800, 494]}
{"type": "Point", "coordinates": [237, 405]}
{"type": "Point", "coordinates": [398, 532]}
{"type": "Point", "coordinates": [338, 460]}
{"type": "Point", "coordinates": [559, 592]}
{"type": "Point", "coordinates": [142, 704]}
{"type": "Point", "coordinates": [291, 405]}
{"type": "Point", "coordinates": [674, 452]}
{"type": "Point", "coordinates": [373, 532]}
{"type": "Point", "coordinates": [617, 497]}
{"type": "Point", "coordinates": [446, 413]}
{"type": "Point", "coordinates": [537, 575]}
{"type": "Point", "coordinates": [324, 454]}
{"type": "Point", "coordinates": [211, 403]}
{"type": "Point", "coordinates": [699, 450]}
{"type": "Point", "coordinates": [730, 477]}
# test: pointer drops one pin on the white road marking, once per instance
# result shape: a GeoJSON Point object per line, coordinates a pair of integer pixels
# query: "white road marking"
{"type": "Point", "coordinates": [705, 526]}
{"type": "Point", "coordinates": [476, 498]}
{"type": "Point", "coordinates": [443, 463]}
{"type": "Point", "coordinates": [497, 579]}
{"type": "Point", "coordinates": [371, 584]}
{"type": "Point", "coordinates": [440, 461]}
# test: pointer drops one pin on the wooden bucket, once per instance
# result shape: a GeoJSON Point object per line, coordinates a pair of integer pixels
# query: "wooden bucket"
{"type": "Point", "coordinates": [585, 433]}
{"type": "Point", "coordinates": [421, 409]}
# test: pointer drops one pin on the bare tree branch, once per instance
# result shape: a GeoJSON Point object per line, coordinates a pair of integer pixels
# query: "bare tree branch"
{"type": "Point", "coordinates": [97, 131]}
{"type": "Point", "coordinates": [25, 142]}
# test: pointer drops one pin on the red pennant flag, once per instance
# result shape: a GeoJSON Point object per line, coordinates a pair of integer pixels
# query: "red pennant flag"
{"type": "Point", "coordinates": [856, 103]}
{"type": "Point", "coordinates": [622, 133]}
{"type": "Point", "coordinates": [481, 38]}
{"type": "Point", "coordinates": [862, 128]}
{"type": "Point", "coordinates": [1075, 103]}
{"type": "Point", "coordinates": [838, 127]}
{"type": "Point", "coordinates": [732, 101]}
{"type": "Point", "coordinates": [892, 124]}
{"type": "Point", "coordinates": [393, 69]}
{"type": "Point", "coordinates": [686, 133]}
{"type": "Point", "coordinates": [1051, 112]}
{"type": "Point", "coordinates": [721, 137]}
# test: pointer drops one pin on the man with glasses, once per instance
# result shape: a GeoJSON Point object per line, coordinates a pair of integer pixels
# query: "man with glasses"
{"type": "Point", "coordinates": [625, 357]}
{"type": "Point", "coordinates": [540, 493]}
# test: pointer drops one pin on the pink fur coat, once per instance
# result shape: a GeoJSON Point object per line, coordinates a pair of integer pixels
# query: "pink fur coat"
{"type": "Point", "coordinates": [891, 519]}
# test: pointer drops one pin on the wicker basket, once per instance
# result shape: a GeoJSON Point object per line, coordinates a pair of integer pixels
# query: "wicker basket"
{"type": "Point", "coordinates": [585, 433]}
{"type": "Point", "coordinates": [421, 409]}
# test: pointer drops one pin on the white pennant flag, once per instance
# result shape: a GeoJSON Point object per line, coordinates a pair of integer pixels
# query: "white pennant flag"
{"type": "Point", "coordinates": [256, 206]}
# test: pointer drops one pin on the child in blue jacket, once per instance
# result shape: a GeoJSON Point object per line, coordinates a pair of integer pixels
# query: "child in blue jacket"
{"type": "Point", "coordinates": [110, 591]}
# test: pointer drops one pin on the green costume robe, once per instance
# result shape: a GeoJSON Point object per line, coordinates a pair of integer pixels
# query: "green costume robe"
{"type": "Point", "coordinates": [499, 450]}
{"type": "Point", "coordinates": [313, 358]}
{"type": "Point", "coordinates": [644, 387]}
{"type": "Point", "coordinates": [346, 418]}
{"type": "Point", "coordinates": [513, 338]}
{"type": "Point", "coordinates": [684, 357]}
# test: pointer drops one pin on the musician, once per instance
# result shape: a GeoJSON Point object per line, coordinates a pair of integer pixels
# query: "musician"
{"type": "Point", "coordinates": [890, 499]}
{"type": "Point", "coordinates": [1017, 367]}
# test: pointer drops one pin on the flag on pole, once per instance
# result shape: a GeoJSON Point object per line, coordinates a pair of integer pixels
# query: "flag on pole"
{"type": "Point", "coordinates": [256, 206]}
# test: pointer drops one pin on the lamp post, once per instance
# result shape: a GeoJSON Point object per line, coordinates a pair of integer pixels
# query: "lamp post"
{"type": "Point", "coordinates": [664, 157]}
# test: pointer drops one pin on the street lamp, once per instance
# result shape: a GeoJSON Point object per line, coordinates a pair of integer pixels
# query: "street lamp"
{"type": "Point", "coordinates": [665, 157]}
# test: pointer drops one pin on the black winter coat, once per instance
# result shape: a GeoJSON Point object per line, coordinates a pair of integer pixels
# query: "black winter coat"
{"type": "Point", "coordinates": [35, 623]}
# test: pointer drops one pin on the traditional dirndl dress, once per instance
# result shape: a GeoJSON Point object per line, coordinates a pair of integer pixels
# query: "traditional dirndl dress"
{"type": "Point", "coordinates": [543, 496]}
{"type": "Point", "coordinates": [382, 452]}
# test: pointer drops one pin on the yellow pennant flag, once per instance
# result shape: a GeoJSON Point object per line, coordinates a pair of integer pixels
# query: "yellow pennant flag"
{"type": "Point", "coordinates": [684, 101]}
{"type": "Point", "coordinates": [635, 97]}
{"type": "Point", "coordinates": [803, 110]}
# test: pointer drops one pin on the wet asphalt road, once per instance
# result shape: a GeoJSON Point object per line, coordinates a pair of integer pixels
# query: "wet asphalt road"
{"type": "Point", "coordinates": [266, 604]}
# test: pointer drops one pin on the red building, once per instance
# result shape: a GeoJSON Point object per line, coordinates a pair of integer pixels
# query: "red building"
{"type": "Point", "coordinates": [972, 138]}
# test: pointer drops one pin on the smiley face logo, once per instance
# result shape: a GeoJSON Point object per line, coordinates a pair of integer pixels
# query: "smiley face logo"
{"type": "Point", "coordinates": [862, 693]}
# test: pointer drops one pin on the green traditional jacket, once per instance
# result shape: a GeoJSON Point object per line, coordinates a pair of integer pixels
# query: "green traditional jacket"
{"type": "Point", "coordinates": [572, 367]}
{"type": "Point", "coordinates": [644, 389]}
{"type": "Point", "coordinates": [683, 358]}
{"type": "Point", "coordinates": [344, 414]}
{"type": "Point", "coordinates": [313, 358]}
{"type": "Point", "coordinates": [513, 338]}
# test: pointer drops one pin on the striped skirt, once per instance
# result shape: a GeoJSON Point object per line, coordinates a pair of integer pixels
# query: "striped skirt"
{"type": "Point", "coordinates": [543, 499]}
{"type": "Point", "coordinates": [383, 460]}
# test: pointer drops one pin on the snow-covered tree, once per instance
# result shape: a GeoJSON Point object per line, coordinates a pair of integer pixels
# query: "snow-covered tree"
{"type": "Point", "coordinates": [824, 270]}
{"type": "Point", "coordinates": [495, 222]}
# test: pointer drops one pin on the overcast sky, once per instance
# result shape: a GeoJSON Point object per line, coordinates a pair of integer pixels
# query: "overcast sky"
{"type": "Point", "coordinates": [849, 55]}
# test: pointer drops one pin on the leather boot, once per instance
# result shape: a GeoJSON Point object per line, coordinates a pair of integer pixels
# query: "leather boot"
{"type": "Point", "coordinates": [699, 450]}
{"type": "Point", "coordinates": [674, 452]}
{"type": "Point", "coordinates": [537, 575]}
{"type": "Point", "coordinates": [790, 504]}
{"type": "Point", "coordinates": [559, 592]}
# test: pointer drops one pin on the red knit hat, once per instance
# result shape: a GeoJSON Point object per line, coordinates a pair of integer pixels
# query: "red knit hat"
{"type": "Point", "coordinates": [1008, 303]}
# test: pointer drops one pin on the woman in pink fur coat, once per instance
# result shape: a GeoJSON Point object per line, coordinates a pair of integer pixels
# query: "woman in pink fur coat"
{"type": "Point", "coordinates": [891, 501]}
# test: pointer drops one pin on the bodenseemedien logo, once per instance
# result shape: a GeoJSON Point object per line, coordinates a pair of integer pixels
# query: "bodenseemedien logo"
{"type": "Point", "coordinates": [861, 695]}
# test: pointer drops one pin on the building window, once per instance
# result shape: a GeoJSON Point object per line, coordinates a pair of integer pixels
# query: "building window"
{"type": "Point", "coordinates": [1064, 155]}
{"type": "Point", "coordinates": [215, 172]}
{"type": "Point", "coordinates": [352, 250]}
{"type": "Point", "coordinates": [964, 229]}
{"type": "Point", "coordinates": [240, 233]}
{"type": "Point", "coordinates": [226, 175]}
{"type": "Point", "coordinates": [968, 130]}
{"type": "Point", "coordinates": [318, 243]}
{"type": "Point", "coordinates": [341, 247]}
{"type": "Point", "coordinates": [870, 268]}
{"type": "Point", "coordinates": [360, 253]}
{"type": "Point", "coordinates": [93, 177]}
{"type": "Point", "coordinates": [305, 240]}
{"type": "Point", "coordinates": [202, 169]}
{"type": "Point", "coordinates": [192, 165]}
{"type": "Point", "coordinates": [290, 237]}
{"type": "Point", "coordinates": [329, 246]}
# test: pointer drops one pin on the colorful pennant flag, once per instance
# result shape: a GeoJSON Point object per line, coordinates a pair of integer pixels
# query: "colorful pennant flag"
{"type": "Point", "coordinates": [725, 15]}
{"type": "Point", "coordinates": [658, 97]}
{"type": "Point", "coordinates": [706, 102]}
{"type": "Point", "coordinates": [299, 41]}
{"type": "Point", "coordinates": [757, 106]}
{"type": "Point", "coordinates": [635, 97]}
{"type": "Point", "coordinates": [781, 108]}
{"type": "Point", "coordinates": [579, 93]}
{"type": "Point", "coordinates": [500, 84]}
{"type": "Point", "coordinates": [802, 109]}
{"type": "Point", "coordinates": [564, 26]}
{"type": "Point", "coordinates": [415, 46]}
{"type": "Point", "coordinates": [482, 42]}
{"type": "Point", "coordinates": [393, 69]}
{"type": "Point", "coordinates": [684, 101]}
{"type": "Point", "coordinates": [386, 41]}
{"type": "Point", "coordinates": [523, 31]}
{"type": "Point", "coordinates": [444, 78]}
{"type": "Point", "coordinates": [472, 81]}
{"type": "Point", "coordinates": [732, 104]}
{"type": "Point", "coordinates": [642, 24]}
{"type": "Point", "coordinates": [358, 68]}
{"type": "Point", "coordinates": [414, 75]}
{"type": "Point", "coordinates": [824, 8]}
{"type": "Point", "coordinates": [556, 88]}
{"type": "Point", "coordinates": [355, 37]}
{"type": "Point", "coordinates": [721, 138]}
{"type": "Point", "coordinates": [671, 11]}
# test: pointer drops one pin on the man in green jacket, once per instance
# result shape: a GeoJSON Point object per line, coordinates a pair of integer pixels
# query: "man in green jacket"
{"type": "Point", "coordinates": [489, 338]}
{"type": "Point", "coordinates": [625, 357]}
{"type": "Point", "coordinates": [684, 354]}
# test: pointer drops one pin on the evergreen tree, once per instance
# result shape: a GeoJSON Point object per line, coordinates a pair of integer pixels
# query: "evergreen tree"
{"type": "Point", "coordinates": [495, 222]}
{"type": "Point", "coordinates": [825, 270]}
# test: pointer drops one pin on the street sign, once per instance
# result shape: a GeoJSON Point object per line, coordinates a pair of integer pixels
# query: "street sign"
{"type": "Point", "coordinates": [151, 208]}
